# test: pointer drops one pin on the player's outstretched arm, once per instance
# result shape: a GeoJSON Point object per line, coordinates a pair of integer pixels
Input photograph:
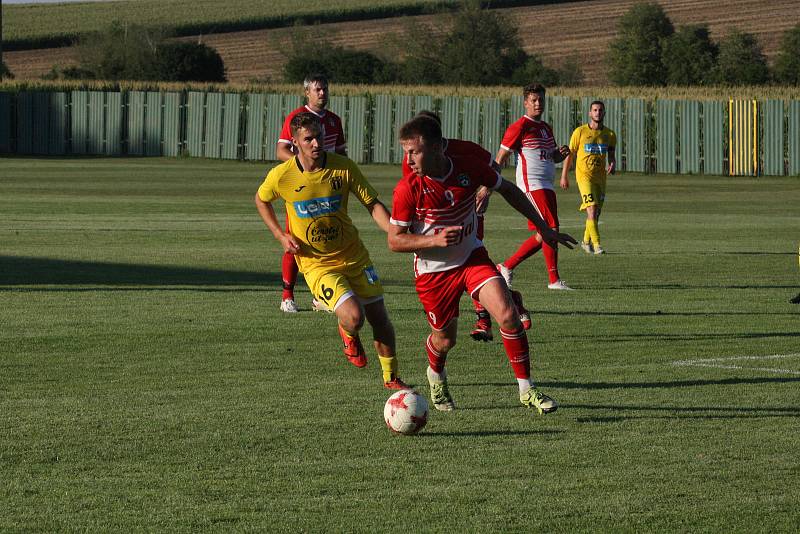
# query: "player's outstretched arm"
{"type": "Point", "coordinates": [482, 199]}
{"type": "Point", "coordinates": [381, 215]}
{"type": "Point", "coordinates": [267, 214]}
{"type": "Point", "coordinates": [401, 240]}
{"type": "Point", "coordinates": [517, 200]}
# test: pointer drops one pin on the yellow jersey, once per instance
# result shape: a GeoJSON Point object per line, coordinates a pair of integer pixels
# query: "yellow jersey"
{"type": "Point", "coordinates": [316, 208]}
{"type": "Point", "coordinates": [591, 148]}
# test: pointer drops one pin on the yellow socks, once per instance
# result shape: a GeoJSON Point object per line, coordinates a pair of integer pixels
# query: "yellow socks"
{"type": "Point", "coordinates": [591, 231]}
{"type": "Point", "coordinates": [389, 367]}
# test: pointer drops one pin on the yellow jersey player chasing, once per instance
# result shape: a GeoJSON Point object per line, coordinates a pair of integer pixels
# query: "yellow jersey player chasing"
{"type": "Point", "coordinates": [315, 186]}
{"type": "Point", "coordinates": [592, 146]}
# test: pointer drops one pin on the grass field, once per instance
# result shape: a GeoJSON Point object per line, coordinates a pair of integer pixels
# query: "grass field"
{"type": "Point", "coordinates": [148, 381]}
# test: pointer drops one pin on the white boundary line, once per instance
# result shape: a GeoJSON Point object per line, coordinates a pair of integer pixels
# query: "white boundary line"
{"type": "Point", "coordinates": [718, 363]}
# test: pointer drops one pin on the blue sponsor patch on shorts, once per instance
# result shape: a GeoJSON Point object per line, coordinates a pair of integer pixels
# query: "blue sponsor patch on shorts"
{"type": "Point", "coordinates": [371, 275]}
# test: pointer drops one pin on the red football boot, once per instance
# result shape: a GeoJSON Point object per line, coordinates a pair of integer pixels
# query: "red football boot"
{"type": "Point", "coordinates": [483, 327]}
{"type": "Point", "coordinates": [353, 348]}
{"type": "Point", "coordinates": [396, 383]}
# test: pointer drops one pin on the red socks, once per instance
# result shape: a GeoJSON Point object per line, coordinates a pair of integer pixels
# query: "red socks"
{"type": "Point", "coordinates": [527, 249]}
{"type": "Point", "coordinates": [436, 360]}
{"type": "Point", "coordinates": [516, 345]}
{"type": "Point", "coordinates": [289, 272]}
{"type": "Point", "coordinates": [551, 261]}
{"type": "Point", "coordinates": [530, 247]}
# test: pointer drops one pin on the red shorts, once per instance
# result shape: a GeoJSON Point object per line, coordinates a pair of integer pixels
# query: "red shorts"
{"type": "Point", "coordinates": [441, 292]}
{"type": "Point", "coordinates": [544, 200]}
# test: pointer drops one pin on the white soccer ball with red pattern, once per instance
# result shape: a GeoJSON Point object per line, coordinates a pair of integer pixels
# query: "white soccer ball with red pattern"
{"type": "Point", "coordinates": [406, 412]}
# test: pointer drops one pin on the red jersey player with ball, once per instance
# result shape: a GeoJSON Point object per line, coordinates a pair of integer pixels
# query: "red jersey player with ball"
{"type": "Point", "coordinates": [482, 331]}
{"type": "Point", "coordinates": [434, 216]}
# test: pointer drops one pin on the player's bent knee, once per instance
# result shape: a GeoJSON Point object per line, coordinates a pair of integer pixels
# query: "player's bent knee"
{"type": "Point", "coordinates": [507, 318]}
{"type": "Point", "coordinates": [350, 317]}
{"type": "Point", "coordinates": [443, 343]}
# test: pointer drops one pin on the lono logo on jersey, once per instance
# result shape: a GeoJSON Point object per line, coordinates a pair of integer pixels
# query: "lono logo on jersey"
{"type": "Point", "coordinates": [315, 207]}
{"type": "Point", "coordinates": [595, 148]}
{"type": "Point", "coordinates": [463, 180]}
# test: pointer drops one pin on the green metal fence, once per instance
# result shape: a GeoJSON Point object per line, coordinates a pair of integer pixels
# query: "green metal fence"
{"type": "Point", "coordinates": [689, 137]}
{"type": "Point", "coordinates": [635, 135]}
{"type": "Point", "coordinates": [772, 141]}
{"type": "Point", "coordinates": [664, 136]}
{"type": "Point", "coordinates": [794, 139]}
{"type": "Point", "coordinates": [713, 137]}
{"type": "Point", "coordinates": [666, 161]}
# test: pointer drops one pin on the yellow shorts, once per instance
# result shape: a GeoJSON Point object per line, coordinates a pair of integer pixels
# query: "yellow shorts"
{"type": "Point", "coordinates": [332, 285]}
{"type": "Point", "coordinates": [592, 194]}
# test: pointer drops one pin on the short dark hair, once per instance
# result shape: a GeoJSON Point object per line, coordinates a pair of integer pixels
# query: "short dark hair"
{"type": "Point", "coordinates": [421, 126]}
{"type": "Point", "coordinates": [430, 114]}
{"type": "Point", "coordinates": [533, 88]}
{"type": "Point", "coordinates": [316, 77]}
{"type": "Point", "coordinates": [598, 102]}
{"type": "Point", "coordinates": [306, 120]}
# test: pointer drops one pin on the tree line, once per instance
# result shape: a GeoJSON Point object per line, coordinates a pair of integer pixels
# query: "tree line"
{"type": "Point", "coordinates": [650, 51]}
{"type": "Point", "coordinates": [482, 47]}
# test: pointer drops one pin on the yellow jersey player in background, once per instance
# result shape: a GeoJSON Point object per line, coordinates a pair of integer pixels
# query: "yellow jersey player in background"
{"type": "Point", "coordinates": [315, 186]}
{"type": "Point", "coordinates": [592, 146]}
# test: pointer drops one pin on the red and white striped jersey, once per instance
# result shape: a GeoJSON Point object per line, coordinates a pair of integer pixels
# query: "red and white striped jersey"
{"type": "Point", "coordinates": [332, 132]}
{"type": "Point", "coordinates": [534, 143]}
{"type": "Point", "coordinates": [428, 205]}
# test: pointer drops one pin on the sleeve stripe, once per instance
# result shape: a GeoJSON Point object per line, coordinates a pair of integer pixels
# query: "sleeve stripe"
{"type": "Point", "coordinates": [287, 141]}
{"type": "Point", "coordinates": [399, 223]}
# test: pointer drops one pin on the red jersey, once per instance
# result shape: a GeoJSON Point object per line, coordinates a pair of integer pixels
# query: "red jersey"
{"type": "Point", "coordinates": [458, 148]}
{"type": "Point", "coordinates": [427, 205]}
{"type": "Point", "coordinates": [534, 142]}
{"type": "Point", "coordinates": [332, 132]}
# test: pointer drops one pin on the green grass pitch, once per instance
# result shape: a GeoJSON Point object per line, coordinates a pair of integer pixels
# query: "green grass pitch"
{"type": "Point", "coordinates": [148, 381]}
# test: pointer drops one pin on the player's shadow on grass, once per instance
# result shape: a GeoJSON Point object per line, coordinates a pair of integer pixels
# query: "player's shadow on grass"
{"type": "Point", "coordinates": [647, 385]}
{"type": "Point", "coordinates": [656, 313]}
{"type": "Point", "coordinates": [684, 287]}
{"type": "Point", "coordinates": [682, 412]}
{"type": "Point", "coordinates": [672, 383]}
{"type": "Point", "coordinates": [695, 337]}
{"type": "Point", "coordinates": [22, 270]}
{"type": "Point", "coordinates": [486, 433]}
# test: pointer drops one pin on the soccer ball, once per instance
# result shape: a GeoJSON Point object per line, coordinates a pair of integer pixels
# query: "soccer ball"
{"type": "Point", "coordinates": [406, 412]}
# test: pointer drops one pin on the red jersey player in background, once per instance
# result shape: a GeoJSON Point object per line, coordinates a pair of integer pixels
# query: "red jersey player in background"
{"type": "Point", "coordinates": [482, 331]}
{"type": "Point", "coordinates": [316, 92]}
{"type": "Point", "coordinates": [434, 216]}
{"type": "Point", "coordinates": [537, 153]}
